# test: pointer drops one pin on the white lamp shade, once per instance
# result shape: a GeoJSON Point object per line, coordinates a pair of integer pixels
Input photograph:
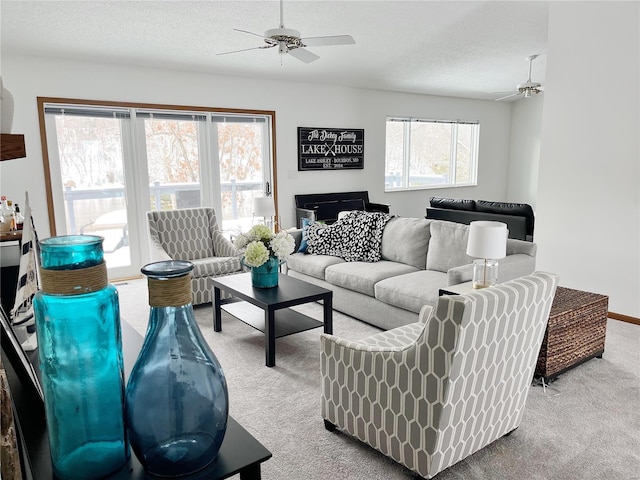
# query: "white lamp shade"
{"type": "Point", "coordinates": [487, 239]}
{"type": "Point", "coordinates": [264, 207]}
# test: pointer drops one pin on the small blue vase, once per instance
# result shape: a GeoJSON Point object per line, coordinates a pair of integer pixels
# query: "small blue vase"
{"type": "Point", "coordinates": [80, 349]}
{"type": "Point", "coordinates": [177, 403]}
{"type": "Point", "coordinates": [266, 275]}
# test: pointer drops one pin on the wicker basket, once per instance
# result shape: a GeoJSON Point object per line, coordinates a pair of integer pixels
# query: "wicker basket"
{"type": "Point", "coordinates": [575, 333]}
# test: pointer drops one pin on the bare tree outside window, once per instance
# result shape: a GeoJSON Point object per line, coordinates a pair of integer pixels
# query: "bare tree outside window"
{"type": "Point", "coordinates": [430, 153]}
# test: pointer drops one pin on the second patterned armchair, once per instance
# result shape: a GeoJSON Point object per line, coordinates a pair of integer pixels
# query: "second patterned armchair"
{"type": "Point", "coordinates": [193, 234]}
{"type": "Point", "coordinates": [433, 392]}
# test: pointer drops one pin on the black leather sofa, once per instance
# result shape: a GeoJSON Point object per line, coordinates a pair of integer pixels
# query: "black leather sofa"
{"type": "Point", "coordinates": [326, 206]}
{"type": "Point", "coordinates": [519, 217]}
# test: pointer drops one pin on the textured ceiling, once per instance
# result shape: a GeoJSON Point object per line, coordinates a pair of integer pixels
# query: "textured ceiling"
{"type": "Point", "coordinates": [455, 48]}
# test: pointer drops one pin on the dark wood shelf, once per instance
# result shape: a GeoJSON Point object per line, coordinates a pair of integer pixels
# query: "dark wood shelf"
{"type": "Point", "coordinates": [12, 146]}
{"type": "Point", "coordinates": [11, 236]}
{"type": "Point", "coordinates": [287, 322]}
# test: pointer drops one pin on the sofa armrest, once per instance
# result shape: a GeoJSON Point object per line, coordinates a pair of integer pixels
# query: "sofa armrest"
{"type": "Point", "coordinates": [311, 214]}
{"type": "Point", "coordinates": [296, 233]}
{"type": "Point", "coordinates": [222, 246]}
{"type": "Point", "coordinates": [331, 344]}
{"type": "Point", "coordinates": [426, 313]}
{"type": "Point", "coordinates": [509, 267]}
{"type": "Point", "coordinates": [158, 254]}
{"type": "Point", "coordinates": [514, 266]}
{"type": "Point", "coordinates": [461, 274]}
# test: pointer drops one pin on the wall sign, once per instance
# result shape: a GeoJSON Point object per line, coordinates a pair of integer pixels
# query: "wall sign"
{"type": "Point", "coordinates": [330, 148]}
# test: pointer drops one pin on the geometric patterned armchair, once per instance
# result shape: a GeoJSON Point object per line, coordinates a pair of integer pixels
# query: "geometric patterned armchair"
{"type": "Point", "coordinates": [192, 234]}
{"type": "Point", "coordinates": [431, 393]}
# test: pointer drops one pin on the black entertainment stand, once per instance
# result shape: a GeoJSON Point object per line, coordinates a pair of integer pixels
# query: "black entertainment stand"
{"type": "Point", "coordinates": [240, 453]}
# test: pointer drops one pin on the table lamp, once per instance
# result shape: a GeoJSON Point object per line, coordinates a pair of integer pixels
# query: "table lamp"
{"type": "Point", "coordinates": [487, 242]}
{"type": "Point", "coordinates": [265, 207]}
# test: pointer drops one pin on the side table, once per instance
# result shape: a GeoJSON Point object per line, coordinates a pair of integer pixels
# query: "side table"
{"type": "Point", "coordinates": [575, 332]}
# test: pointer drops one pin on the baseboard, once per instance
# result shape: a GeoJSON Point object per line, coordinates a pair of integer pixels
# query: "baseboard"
{"type": "Point", "coordinates": [624, 318]}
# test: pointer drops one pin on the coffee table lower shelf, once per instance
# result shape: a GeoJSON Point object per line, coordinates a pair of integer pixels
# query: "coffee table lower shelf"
{"type": "Point", "coordinates": [287, 321]}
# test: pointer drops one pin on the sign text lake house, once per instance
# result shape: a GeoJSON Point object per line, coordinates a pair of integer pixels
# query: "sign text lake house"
{"type": "Point", "coordinates": [330, 148]}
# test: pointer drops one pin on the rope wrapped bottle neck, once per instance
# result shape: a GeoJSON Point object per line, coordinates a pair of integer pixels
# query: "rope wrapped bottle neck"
{"type": "Point", "coordinates": [169, 292]}
{"type": "Point", "coordinates": [74, 282]}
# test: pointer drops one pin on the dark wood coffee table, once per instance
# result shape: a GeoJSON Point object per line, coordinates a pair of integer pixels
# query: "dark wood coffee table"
{"type": "Point", "coordinates": [267, 309]}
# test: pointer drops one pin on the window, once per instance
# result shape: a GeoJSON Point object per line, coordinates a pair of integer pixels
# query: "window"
{"type": "Point", "coordinates": [108, 164]}
{"type": "Point", "coordinates": [430, 153]}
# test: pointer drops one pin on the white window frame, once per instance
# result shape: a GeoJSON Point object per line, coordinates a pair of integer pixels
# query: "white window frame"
{"type": "Point", "coordinates": [406, 151]}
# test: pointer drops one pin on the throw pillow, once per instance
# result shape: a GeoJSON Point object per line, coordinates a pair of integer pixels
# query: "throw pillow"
{"type": "Point", "coordinates": [357, 237]}
{"type": "Point", "coordinates": [447, 246]}
{"type": "Point", "coordinates": [305, 236]}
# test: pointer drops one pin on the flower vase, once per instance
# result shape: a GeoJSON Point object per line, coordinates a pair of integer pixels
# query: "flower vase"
{"type": "Point", "coordinates": [266, 275]}
{"type": "Point", "coordinates": [177, 402]}
{"type": "Point", "coordinates": [80, 349]}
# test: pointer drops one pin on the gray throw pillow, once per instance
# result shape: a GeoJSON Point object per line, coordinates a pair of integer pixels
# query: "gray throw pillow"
{"type": "Point", "coordinates": [447, 246]}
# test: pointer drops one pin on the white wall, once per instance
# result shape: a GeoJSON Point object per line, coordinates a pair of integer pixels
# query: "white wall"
{"type": "Point", "coordinates": [588, 206]}
{"type": "Point", "coordinates": [295, 104]}
{"type": "Point", "coordinates": [524, 151]}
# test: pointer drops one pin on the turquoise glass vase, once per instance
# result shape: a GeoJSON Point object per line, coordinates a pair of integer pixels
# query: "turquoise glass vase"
{"type": "Point", "coordinates": [80, 349]}
{"type": "Point", "coordinates": [177, 403]}
{"type": "Point", "coordinates": [266, 275]}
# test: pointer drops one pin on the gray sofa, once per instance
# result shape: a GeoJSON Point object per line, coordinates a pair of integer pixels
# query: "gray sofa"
{"type": "Point", "coordinates": [419, 257]}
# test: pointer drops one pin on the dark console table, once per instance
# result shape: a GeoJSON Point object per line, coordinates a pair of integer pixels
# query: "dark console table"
{"type": "Point", "coordinates": [240, 453]}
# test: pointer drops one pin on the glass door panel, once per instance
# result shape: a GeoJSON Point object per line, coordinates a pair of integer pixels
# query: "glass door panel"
{"type": "Point", "coordinates": [244, 159]}
{"type": "Point", "coordinates": [173, 161]}
{"type": "Point", "coordinates": [92, 177]}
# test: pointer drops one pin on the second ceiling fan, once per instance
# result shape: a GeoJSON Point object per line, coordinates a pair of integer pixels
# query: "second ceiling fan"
{"type": "Point", "coordinates": [290, 42]}
{"type": "Point", "coordinates": [527, 88]}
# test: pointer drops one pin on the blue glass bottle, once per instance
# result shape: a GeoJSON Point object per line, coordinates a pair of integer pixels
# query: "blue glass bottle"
{"type": "Point", "coordinates": [177, 403]}
{"type": "Point", "coordinates": [80, 349]}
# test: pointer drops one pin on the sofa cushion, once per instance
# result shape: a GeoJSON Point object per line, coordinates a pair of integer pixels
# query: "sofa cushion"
{"type": "Point", "coordinates": [411, 291]}
{"type": "Point", "coordinates": [312, 265]}
{"type": "Point", "coordinates": [406, 240]}
{"type": "Point", "coordinates": [362, 276]}
{"type": "Point", "coordinates": [447, 246]}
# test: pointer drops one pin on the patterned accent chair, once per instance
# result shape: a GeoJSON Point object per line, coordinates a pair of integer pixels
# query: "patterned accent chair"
{"type": "Point", "coordinates": [192, 234]}
{"type": "Point", "coordinates": [431, 393]}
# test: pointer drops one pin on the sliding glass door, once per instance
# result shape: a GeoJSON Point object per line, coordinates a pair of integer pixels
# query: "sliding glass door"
{"type": "Point", "coordinates": [109, 165]}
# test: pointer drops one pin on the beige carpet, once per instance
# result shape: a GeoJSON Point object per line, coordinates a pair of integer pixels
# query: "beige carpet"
{"type": "Point", "coordinates": [588, 427]}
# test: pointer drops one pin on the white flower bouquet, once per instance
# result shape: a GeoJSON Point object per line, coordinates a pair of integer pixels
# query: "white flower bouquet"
{"type": "Point", "coordinates": [260, 243]}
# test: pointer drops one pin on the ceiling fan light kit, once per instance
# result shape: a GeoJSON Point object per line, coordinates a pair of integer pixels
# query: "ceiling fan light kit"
{"type": "Point", "coordinates": [527, 88]}
{"type": "Point", "coordinates": [289, 41]}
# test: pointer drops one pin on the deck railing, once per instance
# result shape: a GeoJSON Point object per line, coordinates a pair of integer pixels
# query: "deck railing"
{"type": "Point", "coordinates": [186, 195]}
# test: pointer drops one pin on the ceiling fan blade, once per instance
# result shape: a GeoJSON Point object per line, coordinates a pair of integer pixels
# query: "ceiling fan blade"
{"type": "Point", "coordinates": [246, 49]}
{"type": "Point", "coordinates": [250, 33]}
{"type": "Point", "coordinates": [303, 55]}
{"type": "Point", "coordinates": [508, 96]}
{"type": "Point", "coordinates": [330, 40]}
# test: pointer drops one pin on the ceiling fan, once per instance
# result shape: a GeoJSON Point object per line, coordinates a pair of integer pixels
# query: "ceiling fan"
{"type": "Point", "coordinates": [289, 41]}
{"type": "Point", "coordinates": [527, 88]}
